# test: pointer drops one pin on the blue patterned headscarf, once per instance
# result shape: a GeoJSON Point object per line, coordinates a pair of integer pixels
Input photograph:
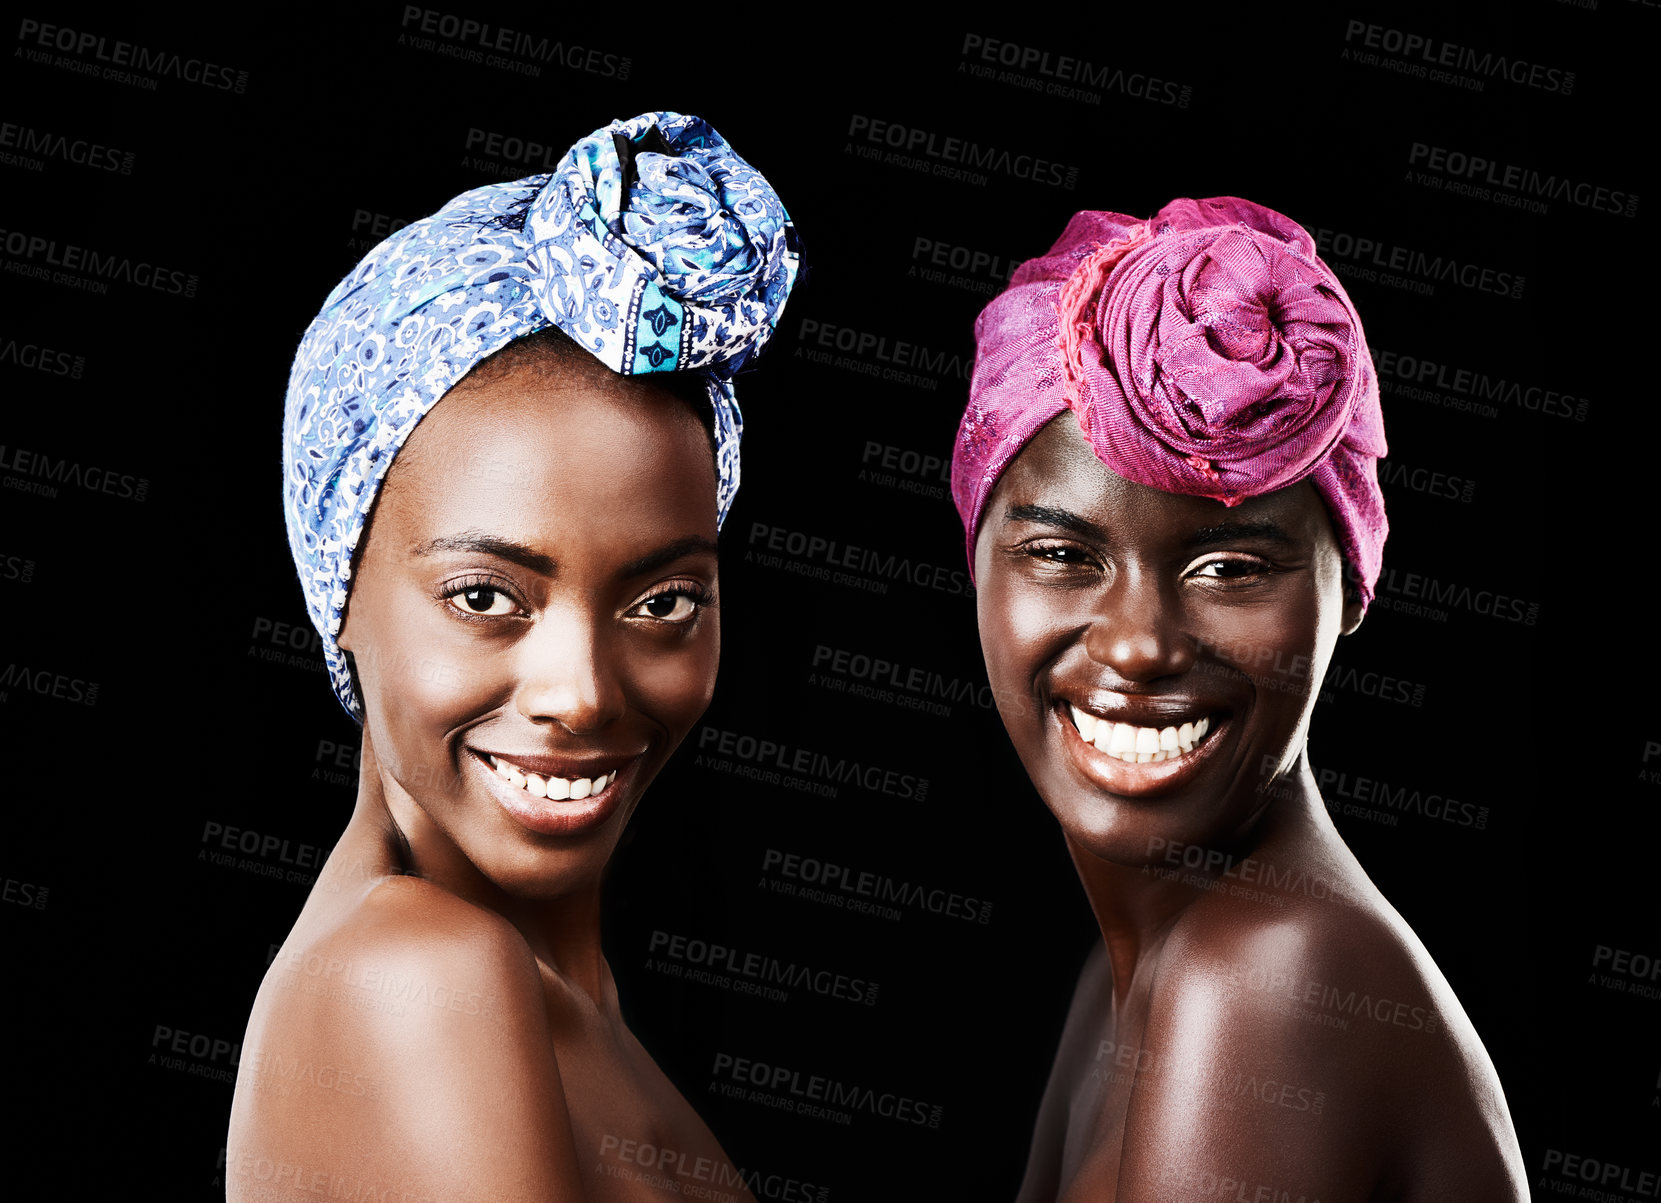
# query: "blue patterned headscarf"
{"type": "Point", "coordinates": [653, 246]}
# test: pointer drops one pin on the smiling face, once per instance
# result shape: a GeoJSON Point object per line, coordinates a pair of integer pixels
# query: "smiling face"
{"type": "Point", "coordinates": [1156, 657]}
{"type": "Point", "coordinates": [532, 619]}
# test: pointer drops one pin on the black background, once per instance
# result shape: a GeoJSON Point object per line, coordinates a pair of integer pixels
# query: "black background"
{"type": "Point", "coordinates": [1503, 703]}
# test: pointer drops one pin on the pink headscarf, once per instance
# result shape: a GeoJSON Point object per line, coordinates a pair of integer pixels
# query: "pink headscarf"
{"type": "Point", "coordinates": [1206, 351]}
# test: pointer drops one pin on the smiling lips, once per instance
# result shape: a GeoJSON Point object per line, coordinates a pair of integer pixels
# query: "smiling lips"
{"type": "Point", "coordinates": [559, 789]}
{"type": "Point", "coordinates": [1139, 745]}
{"type": "Point", "coordinates": [551, 805]}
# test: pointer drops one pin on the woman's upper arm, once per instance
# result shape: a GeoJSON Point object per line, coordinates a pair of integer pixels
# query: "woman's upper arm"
{"type": "Point", "coordinates": [396, 1059]}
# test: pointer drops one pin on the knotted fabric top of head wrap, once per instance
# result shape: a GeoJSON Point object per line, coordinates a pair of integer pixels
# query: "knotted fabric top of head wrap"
{"type": "Point", "coordinates": [653, 246]}
{"type": "Point", "coordinates": [1206, 351]}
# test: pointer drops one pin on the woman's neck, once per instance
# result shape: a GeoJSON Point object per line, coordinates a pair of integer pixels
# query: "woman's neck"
{"type": "Point", "coordinates": [563, 932]}
{"type": "Point", "coordinates": [1136, 907]}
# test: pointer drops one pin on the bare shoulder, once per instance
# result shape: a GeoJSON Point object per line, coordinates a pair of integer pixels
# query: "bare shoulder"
{"type": "Point", "coordinates": [410, 953]}
{"type": "Point", "coordinates": [404, 1046]}
{"type": "Point", "coordinates": [1302, 1042]}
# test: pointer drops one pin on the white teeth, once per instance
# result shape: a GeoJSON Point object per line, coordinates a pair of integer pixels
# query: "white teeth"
{"type": "Point", "coordinates": [557, 789]}
{"type": "Point", "coordinates": [1136, 745]}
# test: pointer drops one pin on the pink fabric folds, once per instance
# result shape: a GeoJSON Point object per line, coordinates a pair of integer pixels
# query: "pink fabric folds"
{"type": "Point", "coordinates": [1206, 351]}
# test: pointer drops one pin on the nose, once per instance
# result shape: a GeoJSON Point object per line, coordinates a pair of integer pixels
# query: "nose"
{"type": "Point", "coordinates": [1137, 628]}
{"type": "Point", "coordinates": [567, 674]}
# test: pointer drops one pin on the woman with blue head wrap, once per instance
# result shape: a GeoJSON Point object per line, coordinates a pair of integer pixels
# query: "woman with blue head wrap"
{"type": "Point", "coordinates": [516, 594]}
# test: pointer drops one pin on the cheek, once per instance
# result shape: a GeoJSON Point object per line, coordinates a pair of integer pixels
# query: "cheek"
{"type": "Point", "coordinates": [440, 691]}
{"type": "Point", "coordinates": [425, 684]}
{"type": "Point", "coordinates": [998, 641]}
{"type": "Point", "coordinates": [675, 687]}
{"type": "Point", "coordinates": [1021, 630]}
{"type": "Point", "coordinates": [1273, 645]}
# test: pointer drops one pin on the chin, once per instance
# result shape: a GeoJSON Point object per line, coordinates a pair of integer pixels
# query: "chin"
{"type": "Point", "coordinates": [1122, 832]}
{"type": "Point", "coordinates": [541, 873]}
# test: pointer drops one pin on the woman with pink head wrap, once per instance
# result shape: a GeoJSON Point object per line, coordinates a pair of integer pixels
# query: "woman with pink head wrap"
{"type": "Point", "coordinates": [1167, 476]}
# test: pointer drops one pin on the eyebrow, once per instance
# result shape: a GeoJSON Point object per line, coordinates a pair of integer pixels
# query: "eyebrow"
{"type": "Point", "coordinates": [1227, 532]}
{"type": "Point", "coordinates": [667, 554]}
{"type": "Point", "coordinates": [1206, 536]}
{"type": "Point", "coordinates": [1050, 515]}
{"type": "Point", "coordinates": [479, 543]}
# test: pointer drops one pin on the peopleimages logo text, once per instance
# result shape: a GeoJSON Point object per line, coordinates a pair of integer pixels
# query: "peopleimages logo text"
{"type": "Point", "coordinates": [34, 464]}
{"type": "Point", "coordinates": [47, 144]}
{"type": "Point", "coordinates": [28, 248]}
{"type": "Point", "coordinates": [1525, 181]}
{"type": "Point", "coordinates": [1063, 70]}
{"type": "Point", "coordinates": [964, 151]}
{"type": "Point", "coordinates": [1436, 52]}
{"type": "Point", "coordinates": [140, 59]}
{"type": "Point", "coordinates": [764, 968]}
{"type": "Point", "coordinates": [812, 763]}
{"type": "Point", "coordinates": [1400, 370]}
{"type": "Point", "coordinates": [1338, 246]}
{"type": "Point", "coordinates": [485, 37]}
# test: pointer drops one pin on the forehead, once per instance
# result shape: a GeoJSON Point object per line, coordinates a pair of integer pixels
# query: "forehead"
{"type": "Point", "coordinates": [527, 453]}
{"type": "Point", "coordinates": [1059, 470]}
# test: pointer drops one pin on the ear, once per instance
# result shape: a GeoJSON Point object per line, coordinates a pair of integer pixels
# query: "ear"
{"type": "Point", "coordinates": [1353, 612]}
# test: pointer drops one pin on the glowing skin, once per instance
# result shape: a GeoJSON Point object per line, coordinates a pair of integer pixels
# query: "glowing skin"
{"type": "Point", "coordinates": [1153, 610]}
{"type": "Point", "coordinates": [1236, 925]}
{"type": "Point", "coordinates": [536, 599]}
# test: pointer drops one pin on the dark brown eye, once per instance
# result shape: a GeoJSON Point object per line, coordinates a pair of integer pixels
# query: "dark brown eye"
{"type": "Point", "coordinates": [1227, 569]}
{"type": "Point", "coordinates": [1059, 554]}
{"type": "Point", "coordinates": [482, 600]}
{"type": "Point", "coordinates": [670, 607]}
